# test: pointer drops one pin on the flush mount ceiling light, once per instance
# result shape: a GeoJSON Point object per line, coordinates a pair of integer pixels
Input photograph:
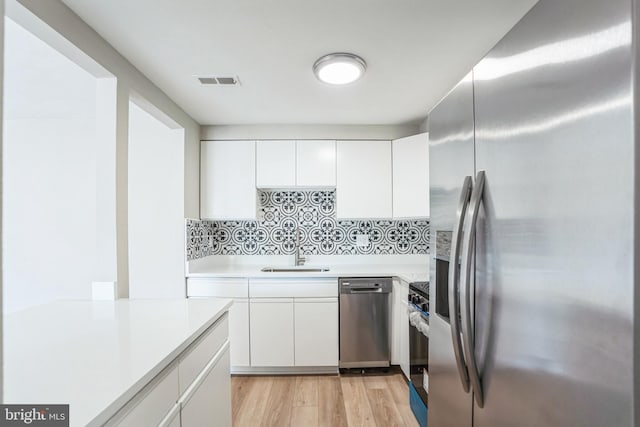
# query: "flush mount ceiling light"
{"type": "Point", "coordinates": [339, 68]}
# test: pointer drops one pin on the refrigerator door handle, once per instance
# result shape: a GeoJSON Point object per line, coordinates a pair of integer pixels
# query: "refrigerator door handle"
{"type": "Point", "coordinates": [465, 290]}
{"type": "Point", "coordinates": [454, 281]}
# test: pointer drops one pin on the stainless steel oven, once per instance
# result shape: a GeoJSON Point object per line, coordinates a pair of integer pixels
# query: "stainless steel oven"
{"type": "Point", "coordinates": [419, 349]}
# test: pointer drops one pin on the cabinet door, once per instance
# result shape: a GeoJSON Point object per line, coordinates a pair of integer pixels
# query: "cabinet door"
{"type": "Point", "coordinates": [411, 176]}
{"type": "Point", "coordinates": [271, 331]}
{"type": "Point", "coordinates": [402, 318]}
{"type": "Point", "coordinates": [239, 332]}
{"type": "Point", "coordinates": [363, 187]}
{"type": "Point", "coordinates": [396, 319]}
{"type": "Point", "coordinates": [209, 403]}
{"type": "Point", "coordinates": [316, 163]}
{"type": "Point", "coordinates": [400, 326]}
{"type": "Point", "coordinates": [316, 331]}
{"type": "Point", "coordinates": [275, 164]}
{"type": "Point", "coordinates": [228, 180]}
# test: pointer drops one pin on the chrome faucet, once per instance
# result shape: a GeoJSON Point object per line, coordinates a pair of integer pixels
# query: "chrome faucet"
{"type": "Point", "coordinates": [300, 259]}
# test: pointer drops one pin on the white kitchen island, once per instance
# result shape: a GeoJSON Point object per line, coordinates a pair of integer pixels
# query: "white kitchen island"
{"type": "Point", "coordinates": [122, 362]}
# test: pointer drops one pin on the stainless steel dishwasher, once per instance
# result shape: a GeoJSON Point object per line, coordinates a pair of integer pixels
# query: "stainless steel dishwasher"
{"type": "Point", "coordinates": [364, 322]}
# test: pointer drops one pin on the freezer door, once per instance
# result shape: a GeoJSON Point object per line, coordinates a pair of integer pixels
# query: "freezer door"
{"type": "Point", "coordinates": [554, 258]}
{"type": "Point", "coordinates": [451, 155]}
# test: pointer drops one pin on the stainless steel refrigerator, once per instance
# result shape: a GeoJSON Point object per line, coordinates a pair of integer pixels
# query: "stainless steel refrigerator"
{"type": "Point", "coordinates": [534, 204]}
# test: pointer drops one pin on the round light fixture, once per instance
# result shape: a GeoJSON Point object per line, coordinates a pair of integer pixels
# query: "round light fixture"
{"type": "Point", "coordinates": [339, 68]}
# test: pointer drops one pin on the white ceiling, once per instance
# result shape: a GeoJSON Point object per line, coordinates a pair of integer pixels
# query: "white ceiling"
{"type": "Point", "coordinates": [416, 50]}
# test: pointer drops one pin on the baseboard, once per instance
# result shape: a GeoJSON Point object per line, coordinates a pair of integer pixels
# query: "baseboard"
{"type": "Point", "coordinates": [293, 370]}
{"type": "Point", "coordinates": [300, 370]}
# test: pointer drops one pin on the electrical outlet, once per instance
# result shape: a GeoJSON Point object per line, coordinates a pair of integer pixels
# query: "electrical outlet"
{"type": "Point", "coordinates": [362, 240]}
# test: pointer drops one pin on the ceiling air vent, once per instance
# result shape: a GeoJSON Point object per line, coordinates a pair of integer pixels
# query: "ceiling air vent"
{"type": "Point", "coordinates": [225, 81]}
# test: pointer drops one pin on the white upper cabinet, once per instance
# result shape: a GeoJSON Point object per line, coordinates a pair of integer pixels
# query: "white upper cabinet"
{"type": "Point", "coordinates": [316, 163]}
{"type": "Point", "coordinates": [276, 164]}
{"type": "Point", "coordinates": [364, 181]}
{"type": "Point", "coordinates": [289, 163]}
{"type": "Point", "coordinates": [411, 176]}
{"type": "Point", "coordinates": [228, 180]}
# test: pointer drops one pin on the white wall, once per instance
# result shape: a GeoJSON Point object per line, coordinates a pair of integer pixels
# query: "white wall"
{"type": "Point", "coordinates": [156, 206]}
{"type": "Point", "coordinates": [1, 201]}
{"type": "Point", "coordinates": [77, 34]}
{"type": "Point", "coordinates": [49, 161]}
{"type": "Point", "coordinates": [424, 125]}
{"type": "Point", "coordinates": [55, 23]}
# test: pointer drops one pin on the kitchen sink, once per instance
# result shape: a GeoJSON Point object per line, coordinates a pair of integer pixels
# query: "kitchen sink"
{"type": "Point", "coordinates": [300, 269]}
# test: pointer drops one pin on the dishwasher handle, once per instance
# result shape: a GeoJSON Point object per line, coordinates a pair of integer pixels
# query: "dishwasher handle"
{"type": "Point", "coordinates": [365, 287]}
{"type": "Point", "coordinates": [366, 291]}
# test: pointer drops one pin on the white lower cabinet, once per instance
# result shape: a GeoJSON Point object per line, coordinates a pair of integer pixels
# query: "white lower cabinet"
{"type": "Point", "coordinates": [239, 332]}
{"type": "Point", "coordinates": [293, 322]}
{"type": "Point", "coordinates": [316, 331]}
{"type": "Point", "coordinates": [271, 332]}
{"type": "Point", "coordinates": [151, 405]}
{"type": "Point", "coordinates": [400, 326]}
{"type": "Point", "coordinates": [277, 322]}
{"type": "Point", "coordinates": [193, 391]}
{"type": "Point", "coordinates": [208, 401]}
{"type": "Point", "coordinates": [238, 290]}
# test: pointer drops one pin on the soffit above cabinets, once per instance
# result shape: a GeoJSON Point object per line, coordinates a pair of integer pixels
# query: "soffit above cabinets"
{"type": "Point", "coordinates": [415, 50]}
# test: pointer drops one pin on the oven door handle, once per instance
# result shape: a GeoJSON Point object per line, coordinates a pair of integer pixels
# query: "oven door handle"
{"type": "Point", "coordinates": [454, 281]}
{"type": "Point", "coordinates": [468, 249]}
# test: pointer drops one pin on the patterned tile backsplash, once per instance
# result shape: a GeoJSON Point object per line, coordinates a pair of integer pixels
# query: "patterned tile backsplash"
{"type": "Point", "coordinates": [282, 213]}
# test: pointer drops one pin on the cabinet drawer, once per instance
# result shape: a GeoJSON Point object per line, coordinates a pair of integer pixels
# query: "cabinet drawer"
{"type": "Point", "coordinates": [152, 404]}
{"type": "Point", "coordinates": [201, 352]}
{"type": "Point", "coordinates": [293, 288]}
{"type": "Point", "coordinates": [208, 402]}
{"type": "Point", "coordinates": [218, 287]}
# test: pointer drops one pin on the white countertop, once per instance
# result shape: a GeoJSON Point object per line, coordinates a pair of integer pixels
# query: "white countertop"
{"type": "Point", "coordinates": [96, 355]}
{"type": "Point", "coordinates": [407, 272]}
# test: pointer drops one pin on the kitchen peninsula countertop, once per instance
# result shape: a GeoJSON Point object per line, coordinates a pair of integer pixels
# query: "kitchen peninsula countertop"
{"type": "Point", "coordinates": [406, 272]}
{"type": "Point", "coordinates": [97, 355]}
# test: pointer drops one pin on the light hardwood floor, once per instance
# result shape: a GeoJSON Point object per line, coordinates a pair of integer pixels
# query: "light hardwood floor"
{"type": "Point", "coordinates": [324, 400]}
